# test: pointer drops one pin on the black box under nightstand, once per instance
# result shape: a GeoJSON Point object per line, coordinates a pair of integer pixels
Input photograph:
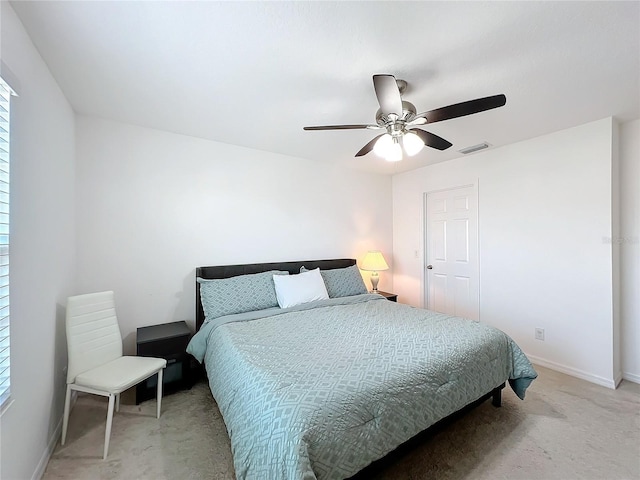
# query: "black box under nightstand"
{"type": "Point", "coordinates": [393, 297]}
{"type": "Point", "coordinates": [168, 341]}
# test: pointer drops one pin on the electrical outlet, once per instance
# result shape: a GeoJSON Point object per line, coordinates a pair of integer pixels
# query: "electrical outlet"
{"type": "Point", "coordinates": [540, 334]}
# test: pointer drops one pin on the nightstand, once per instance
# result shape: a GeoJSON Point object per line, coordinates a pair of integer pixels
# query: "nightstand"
{"type": "Point", "coordinates": [393, 297]}
{"type": "Point", "coordinates": [168, 341]}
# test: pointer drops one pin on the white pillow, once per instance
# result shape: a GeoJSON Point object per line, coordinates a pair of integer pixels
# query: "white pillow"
{"type": "Point", "coordinates": [305, 287]}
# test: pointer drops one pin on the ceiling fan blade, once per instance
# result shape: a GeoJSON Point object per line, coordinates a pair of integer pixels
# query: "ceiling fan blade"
{"type": "Point", "coordinates": [341, 127]}
{"type": "Point", "coordinates": [464, 108]}
{"type": "Point", "coordinates": [368, 147]}
{"type": "Point", "coordinates": [431, 139]}
{"type": "Point", "coordinates": [388, 94]}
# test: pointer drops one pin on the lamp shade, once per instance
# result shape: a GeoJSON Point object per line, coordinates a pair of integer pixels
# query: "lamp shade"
{"type": "Point", "coordinates": [394, 154]}
{"type": "Point", "coordinates": [383, 145]}
{"type": "Point", "coordinates": [374, 261]}
{"type": "Point", "coordinates": [412, 143]}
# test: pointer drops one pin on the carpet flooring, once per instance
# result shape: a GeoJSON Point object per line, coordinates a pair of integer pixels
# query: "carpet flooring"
{"type": "Point", "coordinates": [565, 429]}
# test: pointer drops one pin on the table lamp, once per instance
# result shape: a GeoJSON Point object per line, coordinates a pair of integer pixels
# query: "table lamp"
{"type": "Point", "coordinates": [374, 262]}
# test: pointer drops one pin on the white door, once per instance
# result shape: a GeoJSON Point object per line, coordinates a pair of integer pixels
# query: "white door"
{"type": "Point", "coordinates": [451, 275]}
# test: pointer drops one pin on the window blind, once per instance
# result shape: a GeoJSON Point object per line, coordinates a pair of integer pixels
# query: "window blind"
{"type": "Point", "coordinates": [5, 358]}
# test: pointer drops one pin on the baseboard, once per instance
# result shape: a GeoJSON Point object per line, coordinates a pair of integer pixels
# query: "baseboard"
{"type": "Point", "coordinates": [618, 379]}
{"type": "Point", "coordinates": [631, 377]}
{"type": "Point", "coordinates": [46, 455]}
{"type": "Point", "coordinates": [53, 441]}
{"type": "Point", "coordinates": [574, 372]}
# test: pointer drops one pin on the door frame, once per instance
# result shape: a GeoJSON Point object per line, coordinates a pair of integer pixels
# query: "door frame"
{"type": "Point", "coordinates": [424, 279]}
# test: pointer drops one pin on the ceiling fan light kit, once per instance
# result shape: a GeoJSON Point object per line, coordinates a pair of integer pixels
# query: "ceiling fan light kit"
{"type": "Point", "coordinates": [388, 147]}
{"type": "Point", "coordinates": [399, 119]}
{"type": "Point", "coordinates": [412, 143]}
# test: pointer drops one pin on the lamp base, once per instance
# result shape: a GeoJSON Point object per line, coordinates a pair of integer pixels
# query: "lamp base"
{"type": "Point", "coordinates": [375, 278]}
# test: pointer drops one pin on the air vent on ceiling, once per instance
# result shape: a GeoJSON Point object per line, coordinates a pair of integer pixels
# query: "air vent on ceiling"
{"type": "Point", "coordinates": [475, 148]}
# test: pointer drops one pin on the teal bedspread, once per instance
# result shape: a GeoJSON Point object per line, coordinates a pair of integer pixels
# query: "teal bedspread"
{"type": "Point", "coordinates": [321, 390]}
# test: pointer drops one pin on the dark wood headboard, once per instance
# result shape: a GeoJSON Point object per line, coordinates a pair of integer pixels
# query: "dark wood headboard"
{"type": "Point", "coordinates": [226, 271]}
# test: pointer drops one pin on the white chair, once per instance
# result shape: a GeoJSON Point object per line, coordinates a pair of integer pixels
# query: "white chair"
{"type": "Point", "coordinates": [96, 364]}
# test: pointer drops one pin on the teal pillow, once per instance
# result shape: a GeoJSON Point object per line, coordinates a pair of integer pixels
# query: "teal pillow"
{"type": "Point", "coordinates": [343, 282]}
{"type": "Point", "coordinates": [244, 293]}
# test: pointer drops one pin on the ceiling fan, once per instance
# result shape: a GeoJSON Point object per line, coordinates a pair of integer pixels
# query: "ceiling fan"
{"type": "Point", "coordinates": [399, 118]}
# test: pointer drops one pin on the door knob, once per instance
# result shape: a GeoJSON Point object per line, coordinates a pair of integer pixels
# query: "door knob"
{"type": "Point", "coordinates": [429, 267]}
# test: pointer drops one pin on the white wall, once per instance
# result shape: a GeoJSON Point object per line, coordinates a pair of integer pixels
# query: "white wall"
{"type": "Point", "coordinates": [545, 214]}
{"type": "Point", "coordinates": [154, 205]}
{"type": "Point", "coordinates": [42, 258]}
{"type": "Point", "coordinates": [630, 248]}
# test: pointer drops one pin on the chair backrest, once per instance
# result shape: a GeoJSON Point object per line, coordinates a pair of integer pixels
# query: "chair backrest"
{"type": "Point", "coordinates": [93, 335]}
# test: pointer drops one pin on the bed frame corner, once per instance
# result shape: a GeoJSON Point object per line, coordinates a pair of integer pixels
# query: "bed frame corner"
{"type": "Point", "coordinates": [496, 396]}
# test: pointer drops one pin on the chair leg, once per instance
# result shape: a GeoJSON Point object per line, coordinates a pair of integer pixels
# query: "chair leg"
{"type": "Point", "coordinates": [107, 434]}
{"type": "Point", "coordinates": [65, 418]}
{"type": "Point", "coordinates": [159, 396]}
{"type": "Point", "coordinates": [117, 402]}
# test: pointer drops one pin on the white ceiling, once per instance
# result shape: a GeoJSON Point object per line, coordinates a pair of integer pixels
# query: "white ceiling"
{"type": "Point", "coordinates": [254, 73]}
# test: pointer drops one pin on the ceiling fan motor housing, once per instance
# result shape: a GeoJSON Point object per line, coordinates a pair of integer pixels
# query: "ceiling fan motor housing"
{"type": "Point", "coordinates": [395, 125]}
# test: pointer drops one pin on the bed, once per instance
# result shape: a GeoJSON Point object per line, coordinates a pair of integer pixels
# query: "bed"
{"type": "Point", "coordinates": [323, 388]}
